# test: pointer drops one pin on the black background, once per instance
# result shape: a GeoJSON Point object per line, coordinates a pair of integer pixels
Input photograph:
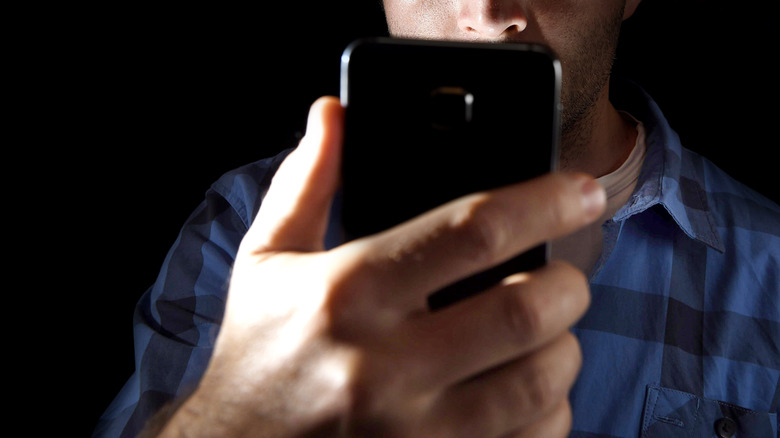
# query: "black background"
{"type": "Point", "coordinates": [128, 112]}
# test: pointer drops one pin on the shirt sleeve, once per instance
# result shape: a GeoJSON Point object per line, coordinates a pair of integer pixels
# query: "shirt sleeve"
{"type": "Point", "coordinates": [177, 320]}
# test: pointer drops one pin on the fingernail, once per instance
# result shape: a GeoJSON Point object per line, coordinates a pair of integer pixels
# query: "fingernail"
{"type": "Point", "coordinates": [593, 197]}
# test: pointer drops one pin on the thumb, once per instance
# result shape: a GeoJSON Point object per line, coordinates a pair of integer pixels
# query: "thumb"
{"type": "Point", "coordinates": [294, 213]}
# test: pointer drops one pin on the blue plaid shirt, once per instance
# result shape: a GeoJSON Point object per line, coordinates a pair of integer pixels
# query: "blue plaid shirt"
{"type": "Point", "coordinates": [682, 338]}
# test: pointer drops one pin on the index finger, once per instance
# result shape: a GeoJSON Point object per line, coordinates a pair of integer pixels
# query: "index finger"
{"type": "Point", "coordinates": [408, 262]}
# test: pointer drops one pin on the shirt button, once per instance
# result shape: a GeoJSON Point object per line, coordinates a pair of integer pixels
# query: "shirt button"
{"type": "Point", "coordinates": [725, 428]}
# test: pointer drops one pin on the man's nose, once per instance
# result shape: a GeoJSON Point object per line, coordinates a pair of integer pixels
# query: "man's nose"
{"type": "Point", "coordinates": [491, 19]}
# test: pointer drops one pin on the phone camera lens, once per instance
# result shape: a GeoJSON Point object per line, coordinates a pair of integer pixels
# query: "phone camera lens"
{"type": "Point", "coordinates": [450, 107]}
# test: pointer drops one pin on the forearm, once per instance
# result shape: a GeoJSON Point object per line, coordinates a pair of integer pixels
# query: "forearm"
{"type": "Point", "coordinates": [207, 414]}
{"type": "Point", "coordinates": [189, 417]}
{"type": "Point", "coordinates": [155, 425]}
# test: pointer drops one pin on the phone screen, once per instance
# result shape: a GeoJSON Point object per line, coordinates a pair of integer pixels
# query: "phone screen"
{"type": "Point", "coordinates": [427, 122]}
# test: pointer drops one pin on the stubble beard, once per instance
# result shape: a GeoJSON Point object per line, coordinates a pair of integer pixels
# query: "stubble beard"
{"type": "Point", "coordinates": [586, 75]}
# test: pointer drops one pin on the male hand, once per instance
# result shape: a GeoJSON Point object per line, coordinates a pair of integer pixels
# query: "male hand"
{"type": "Point", "coordinates": [340, 342]}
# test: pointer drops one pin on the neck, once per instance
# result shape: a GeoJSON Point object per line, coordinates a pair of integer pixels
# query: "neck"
{"type": "Point", "coordinates": [600, 141]}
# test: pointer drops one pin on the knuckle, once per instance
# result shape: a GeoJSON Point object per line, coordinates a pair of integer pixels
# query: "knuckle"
{"type": "Point", "coordinates": [479, 226]}
{"type": "Point", "coordinates": [381, 403]}
{"type": "Point", "coordinates": [523, 316]}
{"type": "Point", "coordinates": [346, 304]}
{"type": "Point", "coordinates": [546, 389]}
{"type": "Point", "coordinates": [544, 303]}
{"type": "Point", "coordinates": [557, 209]}
{"type": "Point", "coordinates": [572, 283]}
{"type": "Point", "coordinates": [567, 270]}
{"type": "Point", "coordinates": [488, 415]}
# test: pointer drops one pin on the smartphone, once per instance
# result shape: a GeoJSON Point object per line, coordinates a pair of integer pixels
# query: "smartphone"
{"type": "Point", "coordinates": [429, 121]}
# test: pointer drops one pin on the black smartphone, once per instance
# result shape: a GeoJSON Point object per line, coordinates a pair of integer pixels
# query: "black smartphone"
{"type": "Point", "coordinates": [429, 121]}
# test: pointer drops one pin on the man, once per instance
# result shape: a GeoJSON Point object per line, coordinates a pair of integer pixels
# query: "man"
{"type": "Point", "coordinates": [681, 337]}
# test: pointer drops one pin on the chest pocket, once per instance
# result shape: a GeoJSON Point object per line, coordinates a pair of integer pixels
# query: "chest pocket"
{"type": "Point", "coordinates": [671, 414]}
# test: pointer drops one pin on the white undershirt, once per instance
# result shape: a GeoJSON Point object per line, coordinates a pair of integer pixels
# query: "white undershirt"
{"type": "Point", "coordinates": [583, 248]}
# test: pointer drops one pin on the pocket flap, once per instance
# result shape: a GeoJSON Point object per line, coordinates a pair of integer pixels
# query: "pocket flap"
{"type": "Point", "coordinates": [670, 414]}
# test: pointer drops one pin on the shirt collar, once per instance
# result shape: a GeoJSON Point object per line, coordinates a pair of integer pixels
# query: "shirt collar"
{"type": "Point", "coordinates": [669, 176]}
